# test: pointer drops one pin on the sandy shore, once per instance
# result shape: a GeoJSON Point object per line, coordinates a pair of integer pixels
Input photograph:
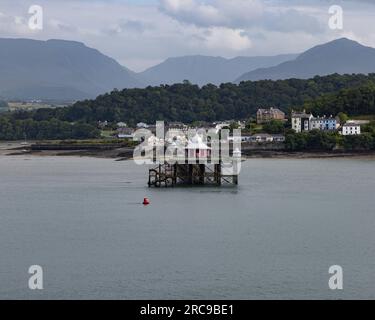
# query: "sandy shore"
{"type": "Point", "coordinates": [17, 148]}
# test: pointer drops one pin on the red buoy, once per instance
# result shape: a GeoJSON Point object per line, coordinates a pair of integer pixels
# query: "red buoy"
{"type": "Point", "coordinates": [146, 201]}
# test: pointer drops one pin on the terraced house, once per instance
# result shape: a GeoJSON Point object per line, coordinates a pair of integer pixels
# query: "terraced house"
{"type": "Point", "coordinates": [301, 121]}
{"type": "Point", "coordinates": [324, 123]}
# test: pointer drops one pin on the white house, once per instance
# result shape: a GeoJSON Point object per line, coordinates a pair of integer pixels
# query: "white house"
{"type": "Point", "coordinates": [142, 125]}
{"type": "Point", "coordinates": [323, 123]}
{"type": "Point", "coordinates": [351, 128]}
{"type": "Point", "coordinates": [261, 137]}
{"type": "Point", "coordinates": [301, 121]}
{"type": "Point", "coordinates": [121, 125]}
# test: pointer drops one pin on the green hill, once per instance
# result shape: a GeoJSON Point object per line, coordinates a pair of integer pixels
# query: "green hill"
{"type": "Point", "coordinates": [351, 94]}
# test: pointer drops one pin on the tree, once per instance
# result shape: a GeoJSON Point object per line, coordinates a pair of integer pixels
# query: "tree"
{"type": "Point", "coordinates": [274, 127]}
{"type": "Point", "coordinates": [320, 140]}
{"type": "Point", "coordinates": [233, 125]}
{"type": "Point", "coordinates": [185, 102]}
{"type": "Point", "coordinates": [296, 142]}
{"type": "Point", "coordinates": [343, 117]}
{"type": "Point", "coordinates": [314, 140]}
{"type": "Point", "coordinates": [363, 142]}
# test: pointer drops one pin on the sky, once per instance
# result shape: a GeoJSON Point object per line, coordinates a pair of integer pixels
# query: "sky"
{"type": "Point", "coordinates": [143, 33]}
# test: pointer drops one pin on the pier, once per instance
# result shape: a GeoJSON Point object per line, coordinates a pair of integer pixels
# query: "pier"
{"type": "Point", "coordinates": [166, 175]}
{"type": "Point", "coordinates": [197, 165]}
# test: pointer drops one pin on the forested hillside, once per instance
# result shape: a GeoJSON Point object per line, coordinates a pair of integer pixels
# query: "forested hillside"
{"type": "Point", "coordinates": [352, 94]}
{"type": "Point", "coordinates": [353, 101]}
{"type": "Point", "coordinates": [187, 103]}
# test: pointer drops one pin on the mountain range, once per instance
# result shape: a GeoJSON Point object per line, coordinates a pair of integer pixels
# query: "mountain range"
{"type": "Point", "coordinates": [342, 56]}
{"type": "Point", "coordinates": [58, 69]}
{"type": "Point", "coordinates": [69, 70]}
{"type": "Point", "coordinates": [205, 69]}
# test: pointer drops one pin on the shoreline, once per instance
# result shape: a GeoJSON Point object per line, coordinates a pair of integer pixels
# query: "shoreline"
{"type": "Point", "coordinates": [15, 148]}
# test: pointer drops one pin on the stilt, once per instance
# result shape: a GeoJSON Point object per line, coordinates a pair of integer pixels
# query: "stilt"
{"type": "Point", "coordinates": [202, 171]}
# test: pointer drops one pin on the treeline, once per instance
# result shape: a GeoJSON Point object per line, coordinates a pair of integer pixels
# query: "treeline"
{"type": "Point", "coordinates": [327, 141]}
{"type": "Point", "coordinates": [352, 101]}
{"type": "Point", "coordinates": [3, 106]}
{"type": "Point", "coordinates": [11, 129]}
{"type": "Point", "coordinates": [188, 103]}
{"type": "Point", "coordinates": [352, 94]}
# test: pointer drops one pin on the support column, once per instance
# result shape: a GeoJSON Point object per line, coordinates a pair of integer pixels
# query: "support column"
{"type": "Point", "coordinates": [218, 174]}
{"type": "Point", "coordinates": [190, 174]}
{"type": "Point", "coordinates": [202, 171]}
{"type": "Point", "coordinates": [175, 174]}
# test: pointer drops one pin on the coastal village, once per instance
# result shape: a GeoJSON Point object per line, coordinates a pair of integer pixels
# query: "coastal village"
{"type": "Point", "coordinates": [253, 131]}
{"type": "Point", "coordinates": [269, 132]}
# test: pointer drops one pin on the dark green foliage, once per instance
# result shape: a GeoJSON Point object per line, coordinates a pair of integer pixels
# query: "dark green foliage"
{"type": "Point", "coordinates": [295, 141]}
{"type": "Point", "coordinates": [353, 101]}
{"type": "Point", "coordinates": [320, 140]}
{"type": "Point", "coordinates": [370, 128]}
{"type": "Point", "coordinates": [361, 142]}
{"type": "Point", "coordinates": [352, 94]}
{"type": "Point", "coordinates": [314, 141]}
{"type": "Point", "coordinates": [188, 103]}
{"type": "Point", "coordinates": [327, 141]}
{"type": "Point", "coordinates": [11, 129]}
{"type": "Point", "coordinates": [274, 127]}
{"type": "Point", "coordinates": [343, 117]}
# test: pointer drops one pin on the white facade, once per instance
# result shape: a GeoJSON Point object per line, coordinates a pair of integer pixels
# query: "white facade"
{"type": "Point", "coordinates": [121, 125]}
{"type": "Point", "coordinates": [301, 121]}
{"type": "Point", "coordinates": [142, 125]}
{"type": "Point", "coordinates": [351, 129]}
{"type": "Point", "coordinates": [296, 124]}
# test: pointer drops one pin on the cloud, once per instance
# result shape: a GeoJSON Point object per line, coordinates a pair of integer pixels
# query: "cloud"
{"type": "Point", "coordinates": [128, 26]}
{"type": "Point", "coordinates": [61, 26]}
{"type": "Point", "coordinates": [141, 33]}
{"type": "Point", "coordinates": [240, 14]}
{"type": "Point", "coordinates": [292, 20]}
{"type": "Point", "coordinates": [223, 38]}
{"type": "Point", "coordinates": [219, 13]}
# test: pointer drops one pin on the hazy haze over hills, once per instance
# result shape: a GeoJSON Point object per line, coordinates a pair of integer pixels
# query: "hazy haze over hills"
{"type": "Point", "coordinates": [339, 56]}
{"type": "Point", "coordinates": [57, 69]}
{"type": "Point", "coordinates": [205, 69]}
{"type": "Point", "coordinates": [68, 70]}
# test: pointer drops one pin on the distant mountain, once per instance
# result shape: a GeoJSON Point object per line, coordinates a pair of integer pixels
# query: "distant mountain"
{"type": "Point", "coordinates": [69, 70]}
{"type": "Point", "coordinates": [58, 70]}
{"type": "Point", "coordinates": [205, 69]}
{"type": "Point", "coordinates": [342, 56]}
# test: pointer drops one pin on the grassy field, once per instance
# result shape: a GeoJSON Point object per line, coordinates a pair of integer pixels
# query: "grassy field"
{"type": "Point", "coordinates": [29, 106]}
{"type": "Point", "coordinates": [107, 133]}
{"type": "Point", "coordinates": [256, 128]}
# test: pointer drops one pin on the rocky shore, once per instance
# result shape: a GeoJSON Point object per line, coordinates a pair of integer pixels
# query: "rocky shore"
{"type": "Point", "coordinates": [17, 148]}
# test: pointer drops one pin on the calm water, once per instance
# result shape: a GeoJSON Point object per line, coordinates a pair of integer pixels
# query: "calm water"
{"type": "Point", "coordinates": [274, 236]}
